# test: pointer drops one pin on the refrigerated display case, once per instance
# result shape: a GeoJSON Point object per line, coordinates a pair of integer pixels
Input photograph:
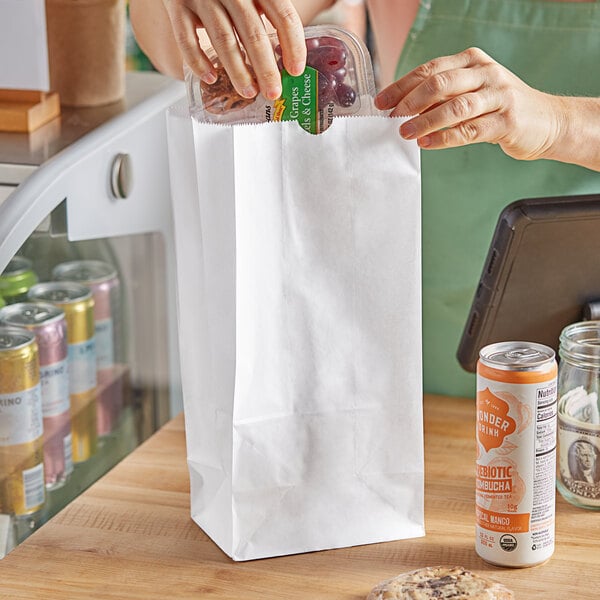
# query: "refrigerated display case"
{"type": "Point", "coordinates": [93, 185]}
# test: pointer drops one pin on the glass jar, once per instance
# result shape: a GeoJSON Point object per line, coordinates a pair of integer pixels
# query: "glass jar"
{"type": "Point", "coordinates": [578, 477]}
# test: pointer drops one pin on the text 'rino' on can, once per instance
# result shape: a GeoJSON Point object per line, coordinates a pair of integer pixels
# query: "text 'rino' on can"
{"type": "Point", "coordinates": [516, 453]}
{"type": "Point", "coordinates": [22, 490]}
{"type": "Point", "coordinates": [77, 303]}
{"type": "Point", "coordinates": [102, 279]}
{"type": "Point", "coordinates": [48, 324]}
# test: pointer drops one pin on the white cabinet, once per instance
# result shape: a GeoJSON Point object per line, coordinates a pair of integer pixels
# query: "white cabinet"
{"type": "Point", "coordinates": [94, 184]}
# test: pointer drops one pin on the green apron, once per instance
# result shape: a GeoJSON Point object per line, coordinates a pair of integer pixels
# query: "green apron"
{"type": "Point", "coordinates": [552, 46]}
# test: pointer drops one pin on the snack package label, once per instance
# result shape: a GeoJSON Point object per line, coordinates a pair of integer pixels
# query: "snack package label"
{"type": "Point", "coordinates": [299, 100]}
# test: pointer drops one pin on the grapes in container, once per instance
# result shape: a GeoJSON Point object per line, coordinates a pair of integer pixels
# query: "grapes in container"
{"type": "Point", "coordinates": [338, 81]}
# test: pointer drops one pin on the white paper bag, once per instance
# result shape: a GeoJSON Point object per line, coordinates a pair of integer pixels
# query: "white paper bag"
{"type": "Point", "coordinates": [299, 278]}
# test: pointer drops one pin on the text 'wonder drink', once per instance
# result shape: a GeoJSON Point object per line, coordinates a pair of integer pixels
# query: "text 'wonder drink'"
{"type": "Point", "coordinates": [516, 453]}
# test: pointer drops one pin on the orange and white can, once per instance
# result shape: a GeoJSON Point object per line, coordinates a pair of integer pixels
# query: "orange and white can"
{"type": "Point", "coordinates": [516, 453]}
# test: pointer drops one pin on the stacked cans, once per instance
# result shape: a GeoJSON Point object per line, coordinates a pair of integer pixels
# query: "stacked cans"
{"type": "Point", "coordinates": [78, 305]}
{"type": "Point", "coordinates": [48, 324]}
{"type": "Point", "coordinates": [101, 278]}
{"type": "Point", "coordinates": [59, 389]}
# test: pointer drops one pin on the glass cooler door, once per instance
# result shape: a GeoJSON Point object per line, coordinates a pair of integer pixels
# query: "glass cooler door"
{"type": "Point", "coordinates": [88, 352]}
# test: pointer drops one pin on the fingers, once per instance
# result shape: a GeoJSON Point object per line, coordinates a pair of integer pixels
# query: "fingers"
{"type": "Point", "coordinates": [485, 128]}
{"type": "Point", "coordinates": [432, 78]}
{"type": "Point", "coordinates": [469, 98]}
{"type": "Point", "coordinates": [223, 29]}
{"type": "Point", "coordinates": [457, 100]}
{"type": "Point", "coordinates": [441, 89]}
{"type": "Point", "coordinates": [290, 32]}
{"type": "Point", "coordinates": [238, 35]}
{"type": "Point", "coordinates": [184, 23]}
{"type": "Point", "coordinates": [456, 110]}
{"type": "Point", "coordinates": [255, 40]}
{"type": "Point", "coordinates": [258, 46]}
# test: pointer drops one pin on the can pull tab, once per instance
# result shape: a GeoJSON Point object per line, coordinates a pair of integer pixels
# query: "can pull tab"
{"type": "Point", "coordinates": [523, 354]}
{"type": "Point", "coordinates": [57, 296]}
{"type": "Point", "coordinates": [35, 314]}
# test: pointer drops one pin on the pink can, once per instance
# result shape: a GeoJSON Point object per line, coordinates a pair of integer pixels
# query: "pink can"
{"type": "Point", "coordinates": [102, 279]}
{"type": "Point", "coordinates": [48, 324]}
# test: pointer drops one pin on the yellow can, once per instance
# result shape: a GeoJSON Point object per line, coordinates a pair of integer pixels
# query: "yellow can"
{"type": "Point", "coordinates": [22, 489]}
{"type": "Point", "coordinates": [77, 302]}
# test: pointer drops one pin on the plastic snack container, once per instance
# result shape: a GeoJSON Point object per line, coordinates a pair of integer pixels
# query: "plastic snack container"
{"type": "Point", "coordinates": [338, 81]}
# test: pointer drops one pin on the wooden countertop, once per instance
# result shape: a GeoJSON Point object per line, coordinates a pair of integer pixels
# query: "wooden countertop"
{"type": "Point", "coordinates": [131, 536]}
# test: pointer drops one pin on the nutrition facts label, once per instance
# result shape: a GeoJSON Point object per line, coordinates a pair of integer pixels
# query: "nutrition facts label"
{"type": "Point", "coordinates": [545, 455]}
{"type": "Point", "coordinates": [545, 432]}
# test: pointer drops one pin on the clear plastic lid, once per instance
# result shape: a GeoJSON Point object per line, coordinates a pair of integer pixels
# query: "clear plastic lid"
{"type": "Point", "coordinates": [338, 80]}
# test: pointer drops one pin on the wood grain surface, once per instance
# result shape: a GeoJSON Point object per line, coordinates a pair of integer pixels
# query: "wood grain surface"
{"type": "Point", "coordinates": [23, 110]}
{"type": "Point", "coordinates": [130, 536]}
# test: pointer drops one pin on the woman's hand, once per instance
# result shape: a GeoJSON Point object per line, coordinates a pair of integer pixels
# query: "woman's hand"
{"type": "Point", "coordinates": [468, 98]}
{"type": "Point", "coordinates": [231, 22]}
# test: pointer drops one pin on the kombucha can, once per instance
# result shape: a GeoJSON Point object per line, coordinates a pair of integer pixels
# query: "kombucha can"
{"type": "Point", "coordinates": [78, 305]}
{"type": "Point", "coordinates": [516, 453]}
{"type": "Point", "coordinates": [103, 281]}
{"type": "Point", "coordinates": [48, 324]}
{"type": "Point", "coordinates": [16, 279]}
{"type": "Point", "coordinates": [22, 490]}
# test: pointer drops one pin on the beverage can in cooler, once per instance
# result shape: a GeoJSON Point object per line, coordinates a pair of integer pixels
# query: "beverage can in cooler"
{"type": "Point", "coordinates": [22, 490]}
{"type": "Point", "coordinates": [516, 453]}
{"type": "Point", "coordinates": [16, 279]}
{"type": "Point", "coordinates": [48, 324]}
{"type": "Point", "coordinates": [103, 281]}
{"type": "Point", "coordinates": [77, 303]}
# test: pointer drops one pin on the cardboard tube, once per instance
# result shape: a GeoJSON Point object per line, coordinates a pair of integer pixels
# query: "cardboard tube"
{"type": "Point", "coordinates": [86, 50]}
